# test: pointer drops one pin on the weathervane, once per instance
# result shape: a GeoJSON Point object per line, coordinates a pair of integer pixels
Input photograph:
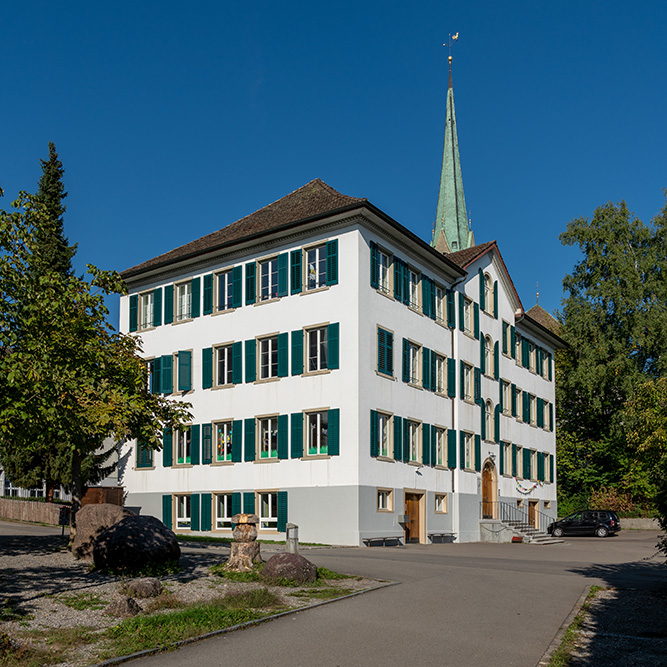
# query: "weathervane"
{"type": "Point", "coordinates": [452, 39]}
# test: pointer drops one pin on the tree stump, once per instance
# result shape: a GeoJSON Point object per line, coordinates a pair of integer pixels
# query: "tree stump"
{"type": "Point", "coordinates": [245, 550]}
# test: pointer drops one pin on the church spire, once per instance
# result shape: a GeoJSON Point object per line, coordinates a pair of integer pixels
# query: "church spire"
{"type": "Point", "coordinates": [451, 232]}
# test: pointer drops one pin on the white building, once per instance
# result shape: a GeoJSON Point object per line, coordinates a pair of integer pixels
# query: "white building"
{"type": "Point", "coordinates": [345, 376]}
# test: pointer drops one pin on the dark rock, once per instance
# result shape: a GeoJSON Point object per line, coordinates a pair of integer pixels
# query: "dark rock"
{"type": "Point", "coordinates": [123, 607]}
{"type": "Point", "coordinates": [289, 566]}
{"type": "Point", "coordinates": [91, 521]}
{"type": "Point", "coordinates": [134, 543]}
{"type": "Point", "coordinates": [148, 587]}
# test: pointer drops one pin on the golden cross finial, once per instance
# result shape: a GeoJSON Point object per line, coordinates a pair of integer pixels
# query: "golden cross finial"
{"type": "Point", "coordinates": [452, 39]}
{"type": "Point", "coordinates": [538, 293]}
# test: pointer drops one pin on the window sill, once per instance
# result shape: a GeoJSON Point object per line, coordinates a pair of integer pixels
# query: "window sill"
{"type": "Point", "coordinates": [386, 293]}
{"type": "Point", "coordinates": [323, 288]}
{"type": "Point", "coordinates": [387, 459]}
{"type": "Point", "coordinates": [315, 457]}
{"type": "Point", "coordinates": [222, 463]}
{"type": "Point", "coordinates": [416, 464]}
{"type": "Point", "coordinates": [261, 302]}
{"type": "Point", "coordinates": [223, 386]}
{"type": "Point", "coordinates": [385, 375]}
{"type": "Point", "coordinates": [274, 459]}
{"type": "Point", "coordinates": [439, 512]}
{"type": "Point", "coordinates": [145, 329]}
{"type": "Point", "coordinates": [469, 400]}
{"type": "Point", "coordinates": [415, 385]}
{"type": "Point", "coordinates": [266, 380]}
{"type": "Point", "coordinates": [323, 371]}
{"type": "Point", "coordinates": [439, 466]}
{"type": "Point", "coordinates": [145, 467]}
{"type": "Point", "coordinates": [385, 511]}
{"type": "Point", "coordinates": [183, 321]}
{"type": "Point", "coordinates": [181, 465]}
{"type": "Point", "coordinates": [416, 309]}
{"type": "Point", "coordinates": [223, 311]}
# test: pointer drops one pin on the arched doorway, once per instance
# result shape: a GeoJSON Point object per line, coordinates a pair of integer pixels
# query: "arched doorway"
{"type": "Point", "coordinates": [489, 490]}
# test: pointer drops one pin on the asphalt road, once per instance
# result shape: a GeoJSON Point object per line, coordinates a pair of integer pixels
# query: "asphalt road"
{"type": "Point", "coordinates": [465, 605]}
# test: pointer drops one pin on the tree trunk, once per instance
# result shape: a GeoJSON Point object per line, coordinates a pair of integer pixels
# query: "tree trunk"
{"type": "Point", "coordinates": [50, 490]}
{"type": "Point", "coordinates": [77, 493]}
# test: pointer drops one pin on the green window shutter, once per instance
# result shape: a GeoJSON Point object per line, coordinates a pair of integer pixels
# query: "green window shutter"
{"type": "Point", "coordinates": [540, 413]}
{"type": "Point", "coordinates": [549, 367]}
{"type": "Point", "coordinates": [478, 453]}
{"type": "Point", "coordinates": [551, 417]}
{"type": "Point", "coordinates": [283, 425]}
{"type": "Point", "coordinates": [134, 311]}
{"type": "Point", "coordinates": [333, 435]}
{"type": "Point", "coordinates": [167, 374]}
{"type": "Point", "coordinates": [249, 503]}
{"type": "Point", "coordinates": [513, 460]}
{"type": "Point", "coordinates": [451, 448]}
{"type": "Point", "coordinates": [551, 468]}
{"type": "Point", "coordinates": [495, 299]}
{"type": "Point", "coordinates": [332, 262]}
{"type": "Point", "coordinates": [205, 511]}
{"type": "Point", "coordinates": [540, 466]}
{"type": "Point", "coordinates": [406, 440]}
{"type": "Point", "coordinates": [283, 260]}
{"type": "Point", "coordinates": [382, 342]}
{"type": "Point", "coordinates": [157, 306]}
{"type": "Point", "coordinates": [207, 368]}
{"type": "Point", "coordinates": [406, 284]}
{"type": "Point", "coordinates": [462, 450]}
{"type": "Point", "coordinates": [426, 296]}
{"type": "Point", "coordinates": [426, 445]}
{"type": "Point", "coordinates": [168, 304]}
{"type": "Point", "coordinates": [501, 399]}
{"type": "Point", "coordinates": [237, 286]}
{"type": "Point", "coordinates": [478, 385]}
{"type": "Point", "coordinates": [296, 283]}
{"type": "Point", "coordinates": [206, 443]}
{"type": "Point", "coordinates": [482, 293]}
{"type": "Point", "coordinates": [501, 458]}
{"type": "Point", "coordinates": [297, 352]}
{"type": "Point", "coordinates": [375, 436]}
{"type": "Point", "coordinates": [236, 503]}
{"type": "Point", "coordinates": [194, 445]}
{"type": "Point", "coordinates": [283, 343]}
{"type": "Point", "coordinates": [237, 363]}
{"type": "Point", "coordinates": [389, 354]}
{"type": "Point", "coordinates": [185, 370]}
{"type": "Point", "coordinates": [451, 378]}
{"type": "Point", "coordinates": [496, 361]}
{"type": "Point", "coordinates": [462, 379]}
{"type": "Point", "coordinates": [513, 406]}
{"type": "Point", "coordinates": [166, 510]}
{"type": "Point", "coordinates": [482, 355]}
{"type": "Point", "coordinates": [451, 309]}
{"type": "Point", "coordinates": [526, 463]}
{"type": "Point", "coordinates": [496, 423]}
{"type": "Point", "coordinates": [297, 435]}
{"type": "Point", "coordinates": [526, 407]}
{"type": "Point", "coordinates": [195, 291]}
{"type": "Point", "coordinates": [462, 303]}
{"type": "Point", "coordinates": [398, 438]}
{"type": "Point", "coordinates": [375, 266]}
{"type": "Point", "coordinates": [333, 346]}
{"type": "Point", "coordinates": [406, 360]}
{"type": "Point", "coordinates": [194, 511]}
{"type": "Point", "coordinates": [512, 342]}
{"type": "Point", "coordinates": [250, 289]}
{"type": "Point", "coordinates": [538, 360]}
{"type": "Point", "coordinates": [483, 423]}
{"type": "Point", "coordinates": [434, 443]}
{"type": "Point", "coordinates": [208, 294]}
{"type": "Point", "coordinates": [249, 437]}
{"type": "Point", "coordinates": [282, 511]}
{"type": "Point", "coordinates": [433, 382]}
{"type": "Point", "coordinates": [237, 433]}
{"type": "Point", "coordinates": [476, 319]}
{"type": "Point", "coordinates": [156, 375]}
{"type": "Point", "coordinates": [250, 366]}
{"type": "Point", "coordinates": [525, 353]}
{"type": "Point", "coordinates": [167, 448]}
{"type": "Point", "coordinates": [505, 329]}
{"type": "Point", "coordinates": [426, 368]}
{"type": "Point", "coordinates": [398, 279]}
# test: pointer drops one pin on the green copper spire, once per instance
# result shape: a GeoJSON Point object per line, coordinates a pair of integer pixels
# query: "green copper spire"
{"type": "Point", "coordinates": [451, 232]}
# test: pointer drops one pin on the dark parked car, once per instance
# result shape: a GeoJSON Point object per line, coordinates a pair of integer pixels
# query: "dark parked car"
{"type": "Point", "coordinates": [587, 522]}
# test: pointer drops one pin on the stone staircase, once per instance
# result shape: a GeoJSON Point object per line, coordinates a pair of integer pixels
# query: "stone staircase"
{"type": "Point", "coordinates": [530, 534]}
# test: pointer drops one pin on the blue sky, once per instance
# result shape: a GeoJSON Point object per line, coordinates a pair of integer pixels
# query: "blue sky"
{"type": "Point", "coordinates": [176, 119]}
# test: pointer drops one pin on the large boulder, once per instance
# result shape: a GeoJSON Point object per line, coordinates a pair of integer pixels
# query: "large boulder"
{"type": "Point", "coordinates": [91, 521]}
{"type": "Point", "coordinates": [123, 607]}
{"type": "Point", "coordinates": [135, 542]}
{"type": "Point", "coordinates": [289, 566]}
{"type": "Point", "coordinates": [150, 587]}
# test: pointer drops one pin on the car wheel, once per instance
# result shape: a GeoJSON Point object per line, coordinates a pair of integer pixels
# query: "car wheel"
{"type": "Point", "coordinates": [601, 531]}
{"type": "Point", "coordinates": [557, 532]}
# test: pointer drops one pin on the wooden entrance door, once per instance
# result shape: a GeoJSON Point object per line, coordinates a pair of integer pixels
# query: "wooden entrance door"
{"type": "Point", "coordinates": [412, 510]}
{"type": "Point", "coordinates": [487, 492]}
{"type": "Point", "coordinates": [532, 513]}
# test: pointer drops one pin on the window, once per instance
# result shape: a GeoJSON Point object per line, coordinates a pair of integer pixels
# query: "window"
{"type": "Point", "coordinates": [489, 420]}
{"type": "Point", "coordinates": [519, 462]}
{"type": "Point", "coordinates": [385, 352]}
{"type": "Point", "coordinates": [440, 446]}
{"type": "Point", "coordinates": [225, 365]}
{"type": "Point", "coordinates": [532, 357]}
{"type": "Point", "coordinates": [385, 500]}
{"type": "Point", "coordinates": [317, 349]}
{"type": "Point", "coordinates": [519, 404]}
{"type": "Point", "coordinates": [546, 363]}
{"type": "Point", "coordinates": [384, 435]}
{"type": "Point", "coordinates": [533, 410]}
{"type": "Point", "coordinates": [413, 288]}
{"type": "Point", "coordinates": [547, 504]}
{"type": "Point", "coordinates": [268, 510]}
{"type": "Point", "coordinates": [440, 303]}
{"type": "Point", "coordinates": [268, 357]}
{"type": "Point", "coordinates": [440, 374]}
{"type": "Point", "coordinates": [183, 448]}
{"type": "Point", "coordinates": [146, 310]}
{"type": "Point", "coordinates": [223, 441]}
{"type": "Point", "coordinates": [183, 301]}
{"type": "Point", "coordinates": [144, 456]}
{"type": "Point", "coordinates": [507, 397]}
{"type": "Point", "coordinates": [223, 510]}
{"type": "Point", "coordinates": [506, 337]}
{"type": "Point", "coordinates": [413, 441]}
{"type": "Point", "coordinates": [468, 382]}
{"type": "Point", "coordinates": [533, 464]}
{"type": "Point", "coordinates": [384, 271]}
{"type": "Point", "coordinates": [268, 438]}
{"type": "Point", "coordinates": [225, 290]}
{"type": "Point", "coordinates": [467, 315]}
{"type": "Point", "coordinates": [317, 433]}
{"type": "Point", "coordinates": [441, 503]}
{"type": "Point", "coordinates": [268, 276]}
{"type": "Point", "coordinates": [182, 511]}
{"type": "Point", "coordinates": [411, 372]}
{"type": "Point", "coordinates": [517, 347]}
{"type": "Point", "coordinates": [546, 467]}
{"type": "Point", "coordinates": [316, 266]}
{"type": "Point", "coordinates": [507, 457]}
{"type": "Point", "coordinates": [469, 451]}
{"type": "Point", "coordinates": [488, 355]}
{"type": "Point", "coordinates": [488, 294]}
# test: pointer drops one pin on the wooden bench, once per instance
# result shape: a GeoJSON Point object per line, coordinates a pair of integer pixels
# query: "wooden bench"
{"type": "Point", "coordinates": [442, 538]}
{"type": "Point", "coordinates": [392, 541]}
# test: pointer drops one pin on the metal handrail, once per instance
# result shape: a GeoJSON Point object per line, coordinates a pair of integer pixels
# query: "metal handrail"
{"type": "Point", "coordinates": [511, 513]}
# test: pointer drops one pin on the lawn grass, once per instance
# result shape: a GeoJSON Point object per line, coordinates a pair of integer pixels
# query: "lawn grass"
{"type": "Point", "coordinates": [83, 601]}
